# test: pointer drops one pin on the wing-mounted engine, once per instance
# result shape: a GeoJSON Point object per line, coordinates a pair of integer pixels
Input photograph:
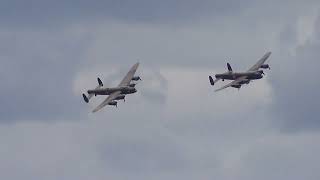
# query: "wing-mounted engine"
{"type": "Point", "coordinates": [113, 103]}
{"type": "Point", "coordinates": [136, 78]}
{"type": "Point", "coordinates": [265, 66]}
{"type": "Point", "coordinates": [120, 97]}
{"type": "Point", "coordinates": [132, 85]}
{"type": "Point", "coordinates": [245, 81]}
{"type": "Point", "coordinates": [238, 86]}
{"type": "Point", "coordinates": [260, 72]}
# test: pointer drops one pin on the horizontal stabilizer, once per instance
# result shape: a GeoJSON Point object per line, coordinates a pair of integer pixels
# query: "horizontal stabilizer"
{"type": "Point", "coordinates": [211, 80]}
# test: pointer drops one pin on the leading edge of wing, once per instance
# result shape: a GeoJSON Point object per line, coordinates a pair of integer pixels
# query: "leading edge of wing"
{"type": "Point", "coordinates": [260, 62]}
{"type": "Point", "coordinates": [127, 79]}
{"type": "Point", "coordinates": [106, 101]}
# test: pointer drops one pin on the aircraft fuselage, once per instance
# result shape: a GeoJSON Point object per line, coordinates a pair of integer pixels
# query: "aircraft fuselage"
{"type": "Point", "coordinates": [108, 91]}
{"type": "Point", "coordinates": [234, 76]}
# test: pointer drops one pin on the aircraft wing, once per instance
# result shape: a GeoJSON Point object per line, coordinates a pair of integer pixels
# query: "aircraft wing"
{"type": "Point", "coordinates": [127, 79]}
{"type": "Point", "coordinates": [106, 101]}
{"type": "Point", "coordinates": [235, 82]}
{"type": "Point", "coordinates": [260, 62]}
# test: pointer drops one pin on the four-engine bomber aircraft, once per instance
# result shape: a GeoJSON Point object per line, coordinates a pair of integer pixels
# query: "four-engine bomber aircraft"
{"type": "Point", "coordinates": [243, 77]}
{"type": "Point", "coordinates": [116, 93]}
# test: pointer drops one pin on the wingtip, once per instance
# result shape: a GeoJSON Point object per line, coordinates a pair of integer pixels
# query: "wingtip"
{"type": "Point", "coordinates": [95, 110]}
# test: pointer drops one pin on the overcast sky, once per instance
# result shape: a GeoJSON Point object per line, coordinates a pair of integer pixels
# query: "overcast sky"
{"type": "Point", "coordinates": [176, 126]}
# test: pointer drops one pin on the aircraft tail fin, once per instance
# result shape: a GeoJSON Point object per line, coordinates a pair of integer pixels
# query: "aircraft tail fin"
{"type": "Point", "coordinates": [85, 98]}
{"type": "Point", "coordinates": [229, 67]}
{"type": "Point", "coordinates": [211, 80]}
{"type": "Point", "coordinates": [100, 82]}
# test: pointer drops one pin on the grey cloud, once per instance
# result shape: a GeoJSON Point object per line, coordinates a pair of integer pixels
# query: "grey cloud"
{"type": "Point", "coordinates": [154, 86]}
{"type": "Point", "coordinates": [296, 89]}
{"type": "Point", "coordinates": [194, 139]}
{"type": "Point", "coordinates": [51, 13]}
{"type": "Point", "coordinates": [37, 75]}
{"type": "Point", "coordinates": [283, 157]}
{"type": "Point", "coordinates": [143, 156]}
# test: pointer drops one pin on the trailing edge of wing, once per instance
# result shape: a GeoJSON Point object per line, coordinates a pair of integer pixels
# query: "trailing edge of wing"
{"type": "Point", "coordinates": [224, 87]}
{"type": "Point", "coordinates": [235, 82]}
{"type": "Point", "coordinates": [106, 101]}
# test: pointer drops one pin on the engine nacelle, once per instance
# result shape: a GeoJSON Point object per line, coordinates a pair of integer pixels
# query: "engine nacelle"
{"type": "Point", "coordinates": [245, 81]}
{"type": "Point", "coordinates": [265, 66]}
{"type": "Point", "coordinates": [136, 78]}
{"type": "Point", "coordinates": [113, 103]}
{"type": "Point", "coordinates": [121, 96]}
{"type": "Point", "coordinates": [132, 85]}
{"type": "Point", "coordinates": [236, 86]}
{"type": "Point", "coordinates": [128, 90]}
{"type": "Point", "coordinates": [260, 72]}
